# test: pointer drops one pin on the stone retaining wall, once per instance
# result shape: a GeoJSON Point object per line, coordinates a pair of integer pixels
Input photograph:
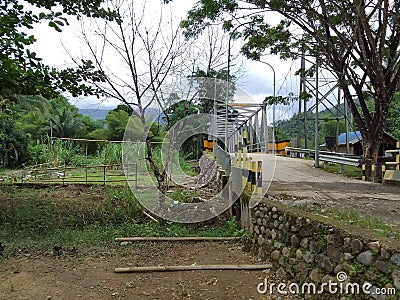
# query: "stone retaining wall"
{"type": "Point", "coordinates": [306, 250]}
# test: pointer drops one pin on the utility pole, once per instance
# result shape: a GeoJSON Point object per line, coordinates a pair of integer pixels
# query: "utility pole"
{"type": "Point", "coordinates": [273, 107]}
{"type": "Point", "coordinates": [347, 126]}
{"type": "Point", "coordinates": [338, 121]}
{"type": "Point", "coordinates": [305, 120]}
{"type": "Point", "coordinates": [316, 163]}
{"type": "Point", "coordinates": [302, 89]}
{"type": "Point", "coordinates": [51, 136]}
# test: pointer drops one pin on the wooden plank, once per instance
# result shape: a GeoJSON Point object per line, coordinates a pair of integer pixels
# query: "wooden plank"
{"type": "Point", "coordinates": [191, 268]}
{"type": "Point", "coordinates": [175, 239]}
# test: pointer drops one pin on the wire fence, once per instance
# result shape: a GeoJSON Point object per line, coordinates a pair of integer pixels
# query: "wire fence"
{"type": "Point", "coordinates": [67, 165]}
{"type": "Point", "coordinates": [116, 174]}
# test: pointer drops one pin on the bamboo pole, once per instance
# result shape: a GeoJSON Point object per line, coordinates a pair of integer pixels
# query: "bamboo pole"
{"type": "Point", "coordinates": [103, 141]}
{"type": "Point", "coordinates": [136, 175]}
{"type": "Point", "coordinates": [65, 174]}
{"type": "Point", "coordinates": [191, 268]}
{"type": "Point", "coordinates": [150, 216]}
{"type": "Point", "coordinates": [175, 239]}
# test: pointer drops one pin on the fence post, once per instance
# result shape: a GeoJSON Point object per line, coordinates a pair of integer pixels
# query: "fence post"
{"type": "Point", "coordinates": [363, 177]}
{"type": "Point", "coordinates": [249, 171]}
{"type": "Point", "coordinates": [65, 173]}
{"type": "Point", "coordinates": [104, 175]}
{"type": "Point", "coordinates": [136, 175]}
{"type": "Point", "coordinates": [243, 158]}
{"type": "Point", "coordinates": [253, 176]}
{"type": "Point", "coordinates": [373, 173]}
{"type": "Point", "coordinates": [23, 175]}
{"type": "Point", "coordinates": [86, 175]}
{"type": "Point", "coordinates": [342, 170]}
{"type": "Point", "coordinates": [259, 179]}
{"type": "Point", "coordinates": [230, 199]}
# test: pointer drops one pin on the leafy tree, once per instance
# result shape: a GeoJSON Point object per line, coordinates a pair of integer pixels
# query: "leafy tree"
{"type": "Point", "coordinates": [34, 124]}
{"type": "Point", "coordinates": [90, 125]}
{"type": "Point", "coordinates": [280, 134]}
{"type": "Point", "coordinates": [358, 41]}
{"type": "Point", "coordinates": [116, 121]}
{"type": "Point", "coordinates": [65, 123]}
{"type": "Point", "coordinates": [219, 87]}
{"type": "Point", "coordinates": [35, 117]}
{"type": "Point", "coordinates": [98, 134]}
{"type": "Point", "coordinates": [329, 128]}
{"type": "Point", "coordinates": [180, 110]}
{"type": "Point", "coordinates": [13, 142]}
{"type": "Point", "coordinates": [125, 108]}
{"type": "Point", "coordinates": [21, 71]}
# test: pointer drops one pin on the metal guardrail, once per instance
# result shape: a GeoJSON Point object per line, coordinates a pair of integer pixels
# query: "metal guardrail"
{"type": "Point", "coordinates": [223, 158]}
{"type": "Point", "coordinates": [333, 157]}
{"type": "Point", "coordinates": [311, 152]}
{"type": "Point", "coordinates": [299, 150]}
{"type": "Point", "coordinates": [341, 160]}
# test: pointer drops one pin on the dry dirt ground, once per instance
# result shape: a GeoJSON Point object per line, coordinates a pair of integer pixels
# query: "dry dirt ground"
{"type": "Point", "coordinates": [62, 277]}
{"type": "Point", "coordinates": [86, 277]}
{"type": "Point", "coordinates": [299, 179]}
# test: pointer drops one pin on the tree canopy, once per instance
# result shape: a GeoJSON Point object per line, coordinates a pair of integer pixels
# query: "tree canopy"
{"type": "Point", "coordinates": [358, 41]}
{"type": "Point", "coordinates": [21, 70]}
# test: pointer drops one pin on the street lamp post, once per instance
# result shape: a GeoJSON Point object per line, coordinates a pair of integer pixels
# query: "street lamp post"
{"type": "Point", "coordinates": [273, 107]}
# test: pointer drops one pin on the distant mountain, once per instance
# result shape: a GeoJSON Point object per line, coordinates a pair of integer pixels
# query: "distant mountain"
{"type": "Point", "coordinates": [95, 113]}
{"type": "Point", "coordinates": [101, 113]}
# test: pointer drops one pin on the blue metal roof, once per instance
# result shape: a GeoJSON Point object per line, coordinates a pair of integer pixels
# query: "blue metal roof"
{"type": "Point", "coordinates": [354, 137]}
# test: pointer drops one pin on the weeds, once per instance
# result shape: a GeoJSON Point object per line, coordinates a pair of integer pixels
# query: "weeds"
{"type": "Point", "coordinates": [352, 217]}
{"type": "Point", "coordinates": [87, 218]}
{"type": "Point", "coordinates": [349, 171]}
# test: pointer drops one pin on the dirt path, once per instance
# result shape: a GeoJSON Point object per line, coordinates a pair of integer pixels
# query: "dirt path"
{"type": "Point", "coordinates": [61, 277]}
{"type": "Point", "coordinates": [298, 178]}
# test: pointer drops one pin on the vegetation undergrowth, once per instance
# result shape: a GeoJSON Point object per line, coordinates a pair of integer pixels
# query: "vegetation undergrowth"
{"type": "Point", "coordinates": [356, 220]}
{"type": "Point", "coordinates": [84, 218]}
{"type": "Point", "coordinates": [349, 171]}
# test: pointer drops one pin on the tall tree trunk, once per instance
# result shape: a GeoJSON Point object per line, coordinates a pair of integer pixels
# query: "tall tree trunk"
{"type": "Point", "coordinates": [371, 146]}
{"type": "Point", "coordinates": [371, 125]}
{"type": "Point", "coordinates": [159, 174]}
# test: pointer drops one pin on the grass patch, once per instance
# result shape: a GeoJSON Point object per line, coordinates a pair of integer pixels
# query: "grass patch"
{"type": "Point", "coordinates": [349, 171]}
{"type": "Point", "coordinates": [183, 195]}
{"type": "Point", "coordinates": [85, 218]}
{"type": "Point", "coordinates": [353, 218]}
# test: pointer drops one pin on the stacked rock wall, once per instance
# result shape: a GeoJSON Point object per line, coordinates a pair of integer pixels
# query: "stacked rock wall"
{"type": "Point", "coordinates": [304, 249]}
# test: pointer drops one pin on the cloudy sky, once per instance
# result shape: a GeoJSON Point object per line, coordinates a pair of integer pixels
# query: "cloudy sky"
{"type": "Point", "coordinates": [257, 81]}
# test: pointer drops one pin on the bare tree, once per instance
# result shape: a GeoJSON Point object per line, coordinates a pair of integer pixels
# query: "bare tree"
{"type": "Point", "coordinates": [136, 53]}
{"type": "Point", "coordinates": [210, 51]}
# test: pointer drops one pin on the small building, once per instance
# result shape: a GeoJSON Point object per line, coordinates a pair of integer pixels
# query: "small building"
{"type": "Point", "coordinates": [355, 143]}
